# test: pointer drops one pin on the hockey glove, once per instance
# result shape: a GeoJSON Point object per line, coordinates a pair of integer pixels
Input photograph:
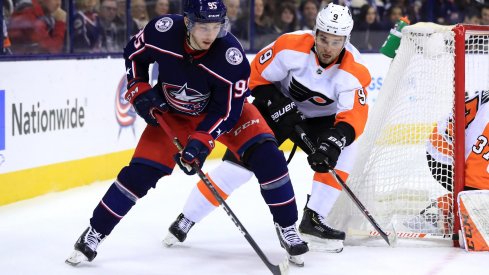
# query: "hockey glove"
{"type": "Point", "coordinates": [282, 111]}
{"type": "Point", "coordinates": [327, 152]}
{"type": "Point", "coordinates": [198, 147]}
{"type": "Point", "coordinates": [146, 100]}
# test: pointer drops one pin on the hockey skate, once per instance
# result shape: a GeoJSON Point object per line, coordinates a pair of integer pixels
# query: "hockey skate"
{"type": "Point", "coordinates": [178, 230]}
{"type": "Point", "coordinates": [434, 219]}
{"type": "Point", "coordinates": [290, 240]}
{"type": "Point", "coordinates": [321, 236]}
{"type": "Point", "coordinates": [86, 247]}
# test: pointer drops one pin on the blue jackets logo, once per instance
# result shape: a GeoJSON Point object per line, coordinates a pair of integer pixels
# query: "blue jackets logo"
{"type": "Point", "coordinates": [185, 99]}
{"type": "Point", "coordinates": [124, 112]}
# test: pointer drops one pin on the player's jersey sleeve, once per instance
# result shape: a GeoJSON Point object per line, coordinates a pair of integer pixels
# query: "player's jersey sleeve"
{"type": "Point", "coordinates": [231, 71]}
{"type": "Point", "coordinates": [137, 56]}
{"type": "Point", "coordinates": [352, 107]}
{"type": "Point", "coordinates": [273, 63]}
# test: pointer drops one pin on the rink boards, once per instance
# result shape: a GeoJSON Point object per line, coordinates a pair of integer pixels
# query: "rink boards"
{"type": "Point", "coordinates": [64, 123]}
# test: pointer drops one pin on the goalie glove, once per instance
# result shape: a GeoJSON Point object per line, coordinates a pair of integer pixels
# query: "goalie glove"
{"type": "Point", "coordinates": [328, 150]}
{"type": "Point", "coordinates": [146, 100]}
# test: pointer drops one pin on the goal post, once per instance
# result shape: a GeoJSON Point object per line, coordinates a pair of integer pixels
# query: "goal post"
{"type": "Point", "coordinates": [410, 166]}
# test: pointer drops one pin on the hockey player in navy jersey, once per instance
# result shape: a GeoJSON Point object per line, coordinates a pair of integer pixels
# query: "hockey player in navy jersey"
{"type": "Point", "coordinates": [316, 79]}
{"type": "Point", "coordinates": [201, 91]}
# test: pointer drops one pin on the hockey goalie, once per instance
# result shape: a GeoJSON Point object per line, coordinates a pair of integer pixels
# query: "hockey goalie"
{"type": "Point", "coordinates": [474, 201]}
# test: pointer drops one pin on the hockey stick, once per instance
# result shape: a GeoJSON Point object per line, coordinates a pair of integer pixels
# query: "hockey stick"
{"type": "Point", "coordinates": [282, 268]}
{"type": "Point", "coordinates": [348, 191]}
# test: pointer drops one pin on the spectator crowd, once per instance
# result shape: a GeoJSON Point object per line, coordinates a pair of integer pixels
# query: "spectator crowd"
{"type": "Point", "coordinates": [99, 26]}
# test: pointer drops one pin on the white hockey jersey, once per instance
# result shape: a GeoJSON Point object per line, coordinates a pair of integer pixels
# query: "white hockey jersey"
{"type": "Point", "coordinates": [292, 65]}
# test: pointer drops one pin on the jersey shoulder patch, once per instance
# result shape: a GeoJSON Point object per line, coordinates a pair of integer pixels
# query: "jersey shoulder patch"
{"type": "Point", "coordinates": [227, 58]}
{"type": "Point", "coordinates": [234, 56]}
{"type": "Point", "coordinates": [164, 24]}
{"type": "Point", "coordinates": [165, 31]}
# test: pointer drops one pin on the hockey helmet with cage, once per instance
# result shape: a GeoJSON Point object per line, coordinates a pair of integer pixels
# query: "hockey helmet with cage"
{"type": "Point", "coordinates": [335, 19]}
{"type": "Point", "coordinates": [206, 11]}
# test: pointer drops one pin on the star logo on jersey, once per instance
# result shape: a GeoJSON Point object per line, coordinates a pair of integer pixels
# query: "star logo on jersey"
{"type": "Point", "coordinates": [218, 132]}
{"type": "Point", "coordinates": [301, 93]}
{"type": "Point", "coordinates": [185, 99]}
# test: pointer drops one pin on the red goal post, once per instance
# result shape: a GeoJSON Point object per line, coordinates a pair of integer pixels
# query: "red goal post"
{"type": "Point", "coordinates": [461, 32]}
{"type": "Point", "coordinates": [421, 102]}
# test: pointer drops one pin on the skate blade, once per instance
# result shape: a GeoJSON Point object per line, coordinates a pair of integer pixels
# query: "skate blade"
{"type": "Point", "coordinates": [323, 245]}
{"type": "Point", "coordinates": [284, 267]}
{"type": "Point", "coordinates": [297, 260]}
{"type": "Point", "coordinates": [420, 224]}
{"type": "Point", "coordinates": [170, 240]}
{"type": "Point", "coordinates": [76, 258]}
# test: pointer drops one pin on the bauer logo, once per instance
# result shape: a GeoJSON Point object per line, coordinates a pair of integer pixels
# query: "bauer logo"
{"type": "Point", "coordinates": [2, 120]}
{"type": "Point", "coordinates": [124, 112]}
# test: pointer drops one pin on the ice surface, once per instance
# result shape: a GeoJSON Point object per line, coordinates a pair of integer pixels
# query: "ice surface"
{"type": "Point", "coordinates": [37, 235]}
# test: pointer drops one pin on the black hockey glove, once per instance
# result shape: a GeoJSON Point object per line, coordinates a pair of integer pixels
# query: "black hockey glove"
{"type": "Point", "coordinates": [328, 150]}
{"type": "Point", "coordinates": [282, 112]}
{"type": "Point", "coordinates": [198, 147]}
{"type": "Point", "coordinates": [146, 100]}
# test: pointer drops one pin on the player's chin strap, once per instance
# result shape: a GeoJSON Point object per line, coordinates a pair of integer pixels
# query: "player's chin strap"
{"type": "Point", "coordinates": [348, 191]}
{"type": "Point", "coordinates": [280, 269]}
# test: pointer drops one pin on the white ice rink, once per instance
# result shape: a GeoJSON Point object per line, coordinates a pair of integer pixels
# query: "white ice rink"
{"type": "Point", "coordinates": [37, 235]}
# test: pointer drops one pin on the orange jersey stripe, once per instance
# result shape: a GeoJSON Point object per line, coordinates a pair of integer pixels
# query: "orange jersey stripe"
{"type": "Point", "coordinates": [358, 70]}
{"type": "Point", "coordinates": [328, 179]}
{"type": "Point", "coordinates": [357, 116]}
{"type": "Point", "coordinates": [298, 42]}
{"type": "Point", "coordinates": [439, 142]}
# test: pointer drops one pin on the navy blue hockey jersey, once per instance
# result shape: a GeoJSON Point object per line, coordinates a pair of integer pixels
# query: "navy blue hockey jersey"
{"type": "Point", "coordinates": [215, 84]}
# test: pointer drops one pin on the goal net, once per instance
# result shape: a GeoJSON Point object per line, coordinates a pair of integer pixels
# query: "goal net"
{"type": "Point", "coordinates": [410, 165]}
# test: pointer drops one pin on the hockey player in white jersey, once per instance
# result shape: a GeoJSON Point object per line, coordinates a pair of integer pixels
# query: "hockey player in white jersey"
{"type": "Point", "coordinates": [315, 79]}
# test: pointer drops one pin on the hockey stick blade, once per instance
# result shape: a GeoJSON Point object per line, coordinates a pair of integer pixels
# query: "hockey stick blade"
{"type": "Point", "coordinates": [280, 269]}
{"type": "Point", "coordinates": [348, 191]}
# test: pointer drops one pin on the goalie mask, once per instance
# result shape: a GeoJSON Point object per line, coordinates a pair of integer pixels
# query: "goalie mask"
{"type": "Point", "coordinates": [335, 19]}
{"type": "Point", "coordinates": [206, 11]}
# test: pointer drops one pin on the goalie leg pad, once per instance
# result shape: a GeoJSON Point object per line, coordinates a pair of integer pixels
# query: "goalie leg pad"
{"type": "Point", "coordinates": [474, 217]}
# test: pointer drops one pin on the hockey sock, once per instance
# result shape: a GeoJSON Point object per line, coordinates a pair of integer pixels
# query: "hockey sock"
{"type": "Point", "coordinates": [325, 192]}
{"type": "Point", "coordinates": [132, 183]}
{"type": "Point", "coordinates": [225, 178]}
{"type": "Point", "coordinates": [270, 168]}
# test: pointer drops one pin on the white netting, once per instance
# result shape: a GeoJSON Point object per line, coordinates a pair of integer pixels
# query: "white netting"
{"type": "Point", "coordinates": [392, 175]}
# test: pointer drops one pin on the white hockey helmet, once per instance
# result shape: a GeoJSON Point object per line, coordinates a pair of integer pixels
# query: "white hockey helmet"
{"type": "Point", "coordinates": [334, 19]}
